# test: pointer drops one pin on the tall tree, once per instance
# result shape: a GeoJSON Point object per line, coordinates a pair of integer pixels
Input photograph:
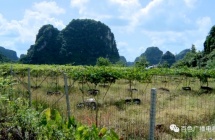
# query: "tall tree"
{"type": "Point", "coordinates": [101, 61]}
{"type": "Point", "coordinates": [209, 44]}
{"type": "Point", "coordinates": [191, 59]}
{"type": "Point", "coordinates": [142, 62]}
{"type": "Point", "coordinates": [181, 54]}
{"type": "Point", "coordinates": [193, 49]}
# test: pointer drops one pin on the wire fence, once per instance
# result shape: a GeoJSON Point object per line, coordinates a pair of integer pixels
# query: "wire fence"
{"type": "Point", "coordinates": [168, 107]}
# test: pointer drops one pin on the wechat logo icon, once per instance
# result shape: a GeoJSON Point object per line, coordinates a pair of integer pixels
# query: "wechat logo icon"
{"type": "Point", "coordinates": [174, 128]}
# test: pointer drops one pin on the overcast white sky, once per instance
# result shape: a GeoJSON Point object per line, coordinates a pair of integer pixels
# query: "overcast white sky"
{"type": "Point", "coordinates": [171, 25]}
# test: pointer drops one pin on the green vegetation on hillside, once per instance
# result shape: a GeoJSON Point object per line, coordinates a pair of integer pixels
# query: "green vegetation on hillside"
{"type": "Point", "coordinates": [152, 54]}
{"type": "Point", "coordinates": [191, 59]}
{"type": "Point", "coordinates": [10, 54]}
{"type": "Point", "coordinates": [142, 62]}
{"type": "Point", "coordinates": [80, 43]}
{"type": "Point", "coordinates": [4, 58]}
{"type": "Point", "coordinates": [83, 41]}
{"type": "Point", "coordinates": [46, 48]}
{"type": "Point", "coordinates": [181, 54]}
{"type": "Point", "coordinates": [201, 59]}
{"type": "Point", "coordinates": [168, 58]}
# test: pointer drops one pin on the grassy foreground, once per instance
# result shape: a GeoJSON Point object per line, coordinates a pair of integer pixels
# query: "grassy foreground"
{"type": "Point", "coordinates": [187, 109]}
{"type": "Point", "coordinates": [193, 108]}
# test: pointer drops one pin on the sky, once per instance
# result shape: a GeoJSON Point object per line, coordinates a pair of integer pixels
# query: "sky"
{"type": "Point", "coordinates": [171, 25]}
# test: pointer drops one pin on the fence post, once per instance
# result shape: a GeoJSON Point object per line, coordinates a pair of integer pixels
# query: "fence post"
{"type": "Point", "coordinates": [67, 95]}
{"type": "Point", "coordinates": [29, 87]}
{"type": "Point", "coordinates": [152, 114]}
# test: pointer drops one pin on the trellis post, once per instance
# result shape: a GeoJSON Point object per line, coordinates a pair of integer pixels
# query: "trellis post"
{"type": "Point", "coordinates": [152, 114]}
{"type": "Point", "coordinates": [67, 96]}
{"type": "Point", "coordinates": [29, 87]}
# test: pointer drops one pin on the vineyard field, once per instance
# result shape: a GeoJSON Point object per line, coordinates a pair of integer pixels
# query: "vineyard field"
{"type": "Point", "coordinates": [185, 97]}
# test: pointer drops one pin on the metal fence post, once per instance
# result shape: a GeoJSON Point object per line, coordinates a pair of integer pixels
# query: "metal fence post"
{"type": "Point", "coordinates": [67, 95]}
{"type": "Point", "coordinates": [152, 114]}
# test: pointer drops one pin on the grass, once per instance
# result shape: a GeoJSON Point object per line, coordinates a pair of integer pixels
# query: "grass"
{"type": "Point", "coordinates": [183, 108]}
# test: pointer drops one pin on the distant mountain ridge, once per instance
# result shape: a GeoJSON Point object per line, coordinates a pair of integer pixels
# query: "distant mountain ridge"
{"type": "Point", "coordinates": [155, 56]}
{"type": "Point", "coordinates": [182, 54]}
{"type": "Point", "coordinates": [168, 58]}
{"type": "Point", "coordinates": [10, 54]}
{"type": "Point", "coordinates": [152, 54]}
{"type": "Point", "coordinates": [3, 59]}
